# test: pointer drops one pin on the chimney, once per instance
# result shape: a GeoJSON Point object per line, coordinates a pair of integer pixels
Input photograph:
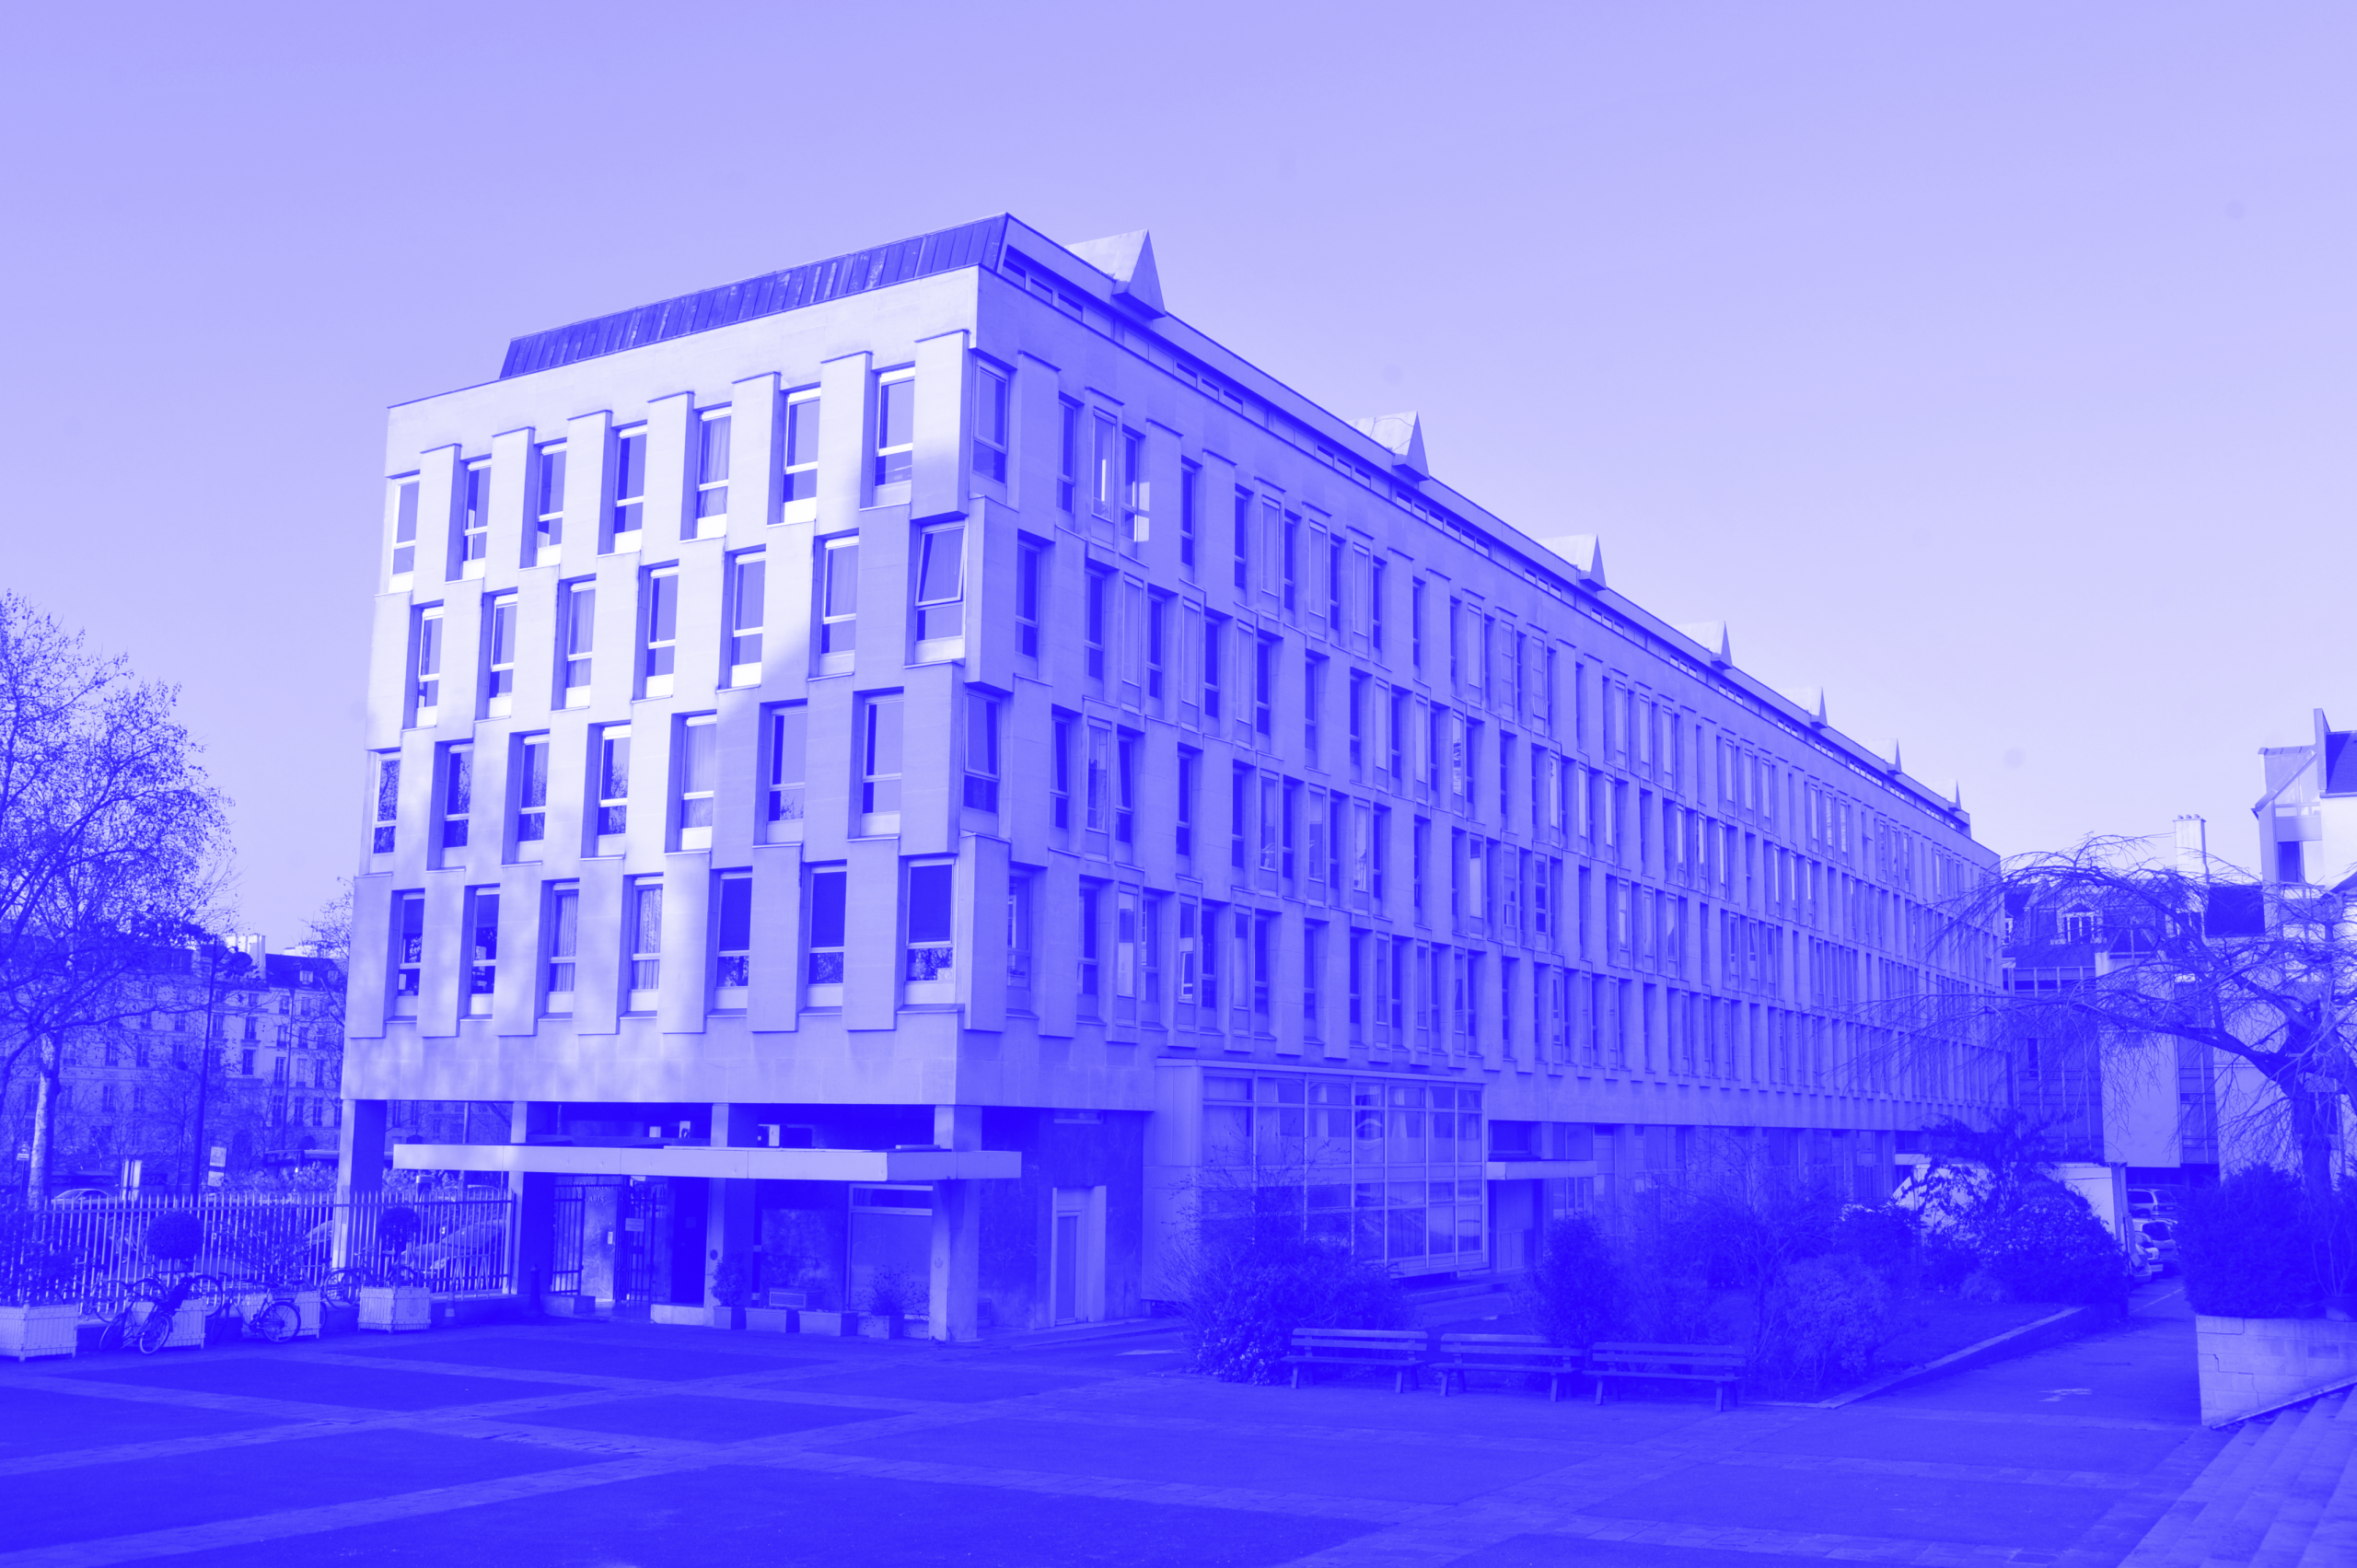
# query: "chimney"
{"type": "Point", "coordinates": [2192, 846]}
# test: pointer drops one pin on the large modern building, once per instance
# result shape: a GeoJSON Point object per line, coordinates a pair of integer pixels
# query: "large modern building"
{"type": "Point", "coordinates": [925, 764]}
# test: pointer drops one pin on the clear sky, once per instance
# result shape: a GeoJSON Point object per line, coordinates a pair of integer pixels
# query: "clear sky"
{"type": "Point", "coordinates": [1988, 365]}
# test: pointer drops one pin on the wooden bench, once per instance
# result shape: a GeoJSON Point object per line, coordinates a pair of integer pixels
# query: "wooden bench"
{"type": "Point", "coordinates": [1721, 1365]}
{"type": "Point", "coordinates": [1464, 1354]}
{"type": "Point", "coordinates": [1401, 1350]}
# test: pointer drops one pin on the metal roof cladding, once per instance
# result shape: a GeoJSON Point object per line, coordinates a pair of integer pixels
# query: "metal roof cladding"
{"type": "Point", "coordinates": [814, 282]}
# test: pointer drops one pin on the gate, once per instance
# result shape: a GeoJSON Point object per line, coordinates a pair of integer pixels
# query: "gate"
{"type": "Point", "coordinates": [566, 1218]}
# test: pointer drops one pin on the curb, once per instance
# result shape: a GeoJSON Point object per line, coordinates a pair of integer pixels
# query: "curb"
{"type": "Point", "coordinates": [2052, 1330]}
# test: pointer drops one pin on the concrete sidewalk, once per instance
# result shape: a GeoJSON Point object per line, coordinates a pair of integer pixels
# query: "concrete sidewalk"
{"type": "Point", "coordinates": [608, 1444]}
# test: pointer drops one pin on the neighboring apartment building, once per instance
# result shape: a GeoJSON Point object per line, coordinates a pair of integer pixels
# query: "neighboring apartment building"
{"type": "Point", "coordinates": [927, 765]}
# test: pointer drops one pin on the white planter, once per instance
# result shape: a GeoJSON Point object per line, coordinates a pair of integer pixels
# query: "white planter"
{"type": "Point", "coordinates": [188, 1324]}
{"type": "Point", "coordinates": [2250, 1364]}
{"type": "Point", "coordinates": [307, 1311]}
{"type": "Point", "coordinates": [396, 1310]}
{"type": "Point", "coordinates": [38, 1331]}
{"type": "Point", "coordinates": [770, 1319]}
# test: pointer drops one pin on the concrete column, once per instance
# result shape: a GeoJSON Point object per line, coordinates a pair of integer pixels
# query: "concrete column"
{"type": "Point", "coordinates": [360, 1164]}
{"type": "Point", "coordinates": [957, 1126]}
{"type": "Point", "coordinates": [957, 1259]}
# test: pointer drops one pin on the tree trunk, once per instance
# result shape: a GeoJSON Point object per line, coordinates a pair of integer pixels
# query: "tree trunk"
{"type": "Point", "coordinates": [2312, 1124]}
{"type": "Point", "coordinates": [44, 1150]}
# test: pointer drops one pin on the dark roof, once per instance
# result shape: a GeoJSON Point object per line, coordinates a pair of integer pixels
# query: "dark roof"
{"type": "Point", "coordinates": [813, 283]}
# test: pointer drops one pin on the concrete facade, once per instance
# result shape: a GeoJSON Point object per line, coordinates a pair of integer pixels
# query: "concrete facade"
{"type": "Point", "coordinates": [1124, 769]}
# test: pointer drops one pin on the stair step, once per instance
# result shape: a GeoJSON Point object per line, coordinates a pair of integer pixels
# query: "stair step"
{"type": "Point", "coordinates": [2271, 1490]}
{"type": "Point", "coordinates": [2286, 1537]}
{"type": "Point", "coordinates": [2332, 1542]}
{"type": "Point", "coordinates": [2155, 1549]}
{"type": "Point", "coordinates": [2205, 1533]}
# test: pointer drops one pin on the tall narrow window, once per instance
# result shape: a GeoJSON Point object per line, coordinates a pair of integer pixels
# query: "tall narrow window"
{"type": "Point", "coordinates": [388, 804]}
{"type": "Point", "coordinates": [577, 633]}
{"type": "Point", "coordinates": [662, 632]}
{"type": "Point", "coordinates": [787, 738]}
{"type": "Point", "coordinates": [1243, 532]}
{"type": "Point", "coordinates": [1190, 485]}
{"type": "Point", "coordinates": [1018, 941]}
{"type": "Point", "coordinates": [1264, 686]}
{"type": "Point", "coordinates": [698, 776]}
{"type": "Point", "coordinates": [1125, 944]}
{"type": "Point", "coordinates": [931, 910]}
{"type": "Point", "coordinates": [425, 666]}
{"type": "Point", "coordinates": [405, 528]}
{"type": "Point", "coordinates": [838, 603]}
{"type": "Point", "coordinates": [896, 404]}
{"type": "Point", "coordinates": [499, 653]}
{"type": "Point", "coordinates": [823, 920]}
{"type": "Point", "coordinates": [642, 933]}
{"type": "Point", "coordinates": [482, 948]}
{"type": "Point", "coordinates": [613, 781]}
{"type": "Point", "coordinates": [941, 586]}
{"type": "Point", "coordinates": [1095, 614]}
{"type": "Point", "coordinates": [1092, 979]}
{"type": "Point", "coordinates": [1099, 781]}
{"type": "Point", "coordinates": [1136, 494]}
{"type": "Point", "coordinates": [531, 789]}
{"type": "Point", "coordinates": [474, 519]}
{"type": "Point", "coordinates": [1125, 789]}
{"type": "Point", "coordinates": [747, 612]}
{"type": "Point", "coordinates": [1060, 772]}
{"type": "Point", "coordinates": [1312, 702]}
{"type": "Point", "coordinates": [548, 493]}
{"type": "Point", "coordinates": [982, 751]}
{"type": "Point", "coordinates": [1289, 557]}
{"type": "Point", "coordinates": [879, 752]}
{"type": "Point", "coordinates": [1189, 770]}
{"type": "Point", "coordinates": [1067, 453]}
{"type": "Point", "coordinates": [990, 424]}
{"type": "Point", "coordinates": [732, 941]}
{"type": "Point", "coordinates": [409, 949]}
{"type": "Point", "coordinates": [1104, 456]}
{"type": "Point", "coordinates": [1158, 643]}
{"type": "Point", "coordinates": [458, 794]}
{"type": "Point", "coordinates": [1027, 567]}
{"type": "Point", "coordinates": [1215, 639]}
{"type": "Point", "coordinates": [712, 470]}
{"type": "Point", "coordinates": [630, 489]}
{"type": "Point", "coordinates": [802, 447]}
{"type": "Point", "coordinates": [1416, 624]}
{"type": "Point", "coordinates": [1375, 605]}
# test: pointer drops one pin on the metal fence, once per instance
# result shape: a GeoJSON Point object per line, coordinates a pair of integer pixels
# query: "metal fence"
{"type": "Point", "coordinates": [462, 1246]}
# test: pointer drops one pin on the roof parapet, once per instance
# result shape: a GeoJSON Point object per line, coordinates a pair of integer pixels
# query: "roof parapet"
{"type": "Point", "coordinates": [1128, 260]}
{"type": "Point", "coordinates": [1712, 636]}
{"type": "Point", "coordinates": [1402, 435]}
{"type": "Point", "coordinates": [1584, 553]}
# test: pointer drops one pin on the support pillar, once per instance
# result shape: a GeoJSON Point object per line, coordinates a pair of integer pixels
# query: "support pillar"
{"type": "Point", "coordinates": [361, 1147]}
{"type": "Point", "coordinates": [956, 1277]}
{"type": "Point", "coordinates": [732, 1224]}
{"type": "Point", "coordinates": [535, 1195]}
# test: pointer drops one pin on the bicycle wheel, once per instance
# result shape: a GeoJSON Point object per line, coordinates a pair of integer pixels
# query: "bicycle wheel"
{"type": "Point", "coordinates": [402, 1274]}
{"type": "Point", "coordinates": [117, 1335]}
{"type": "Point", "coordinates": [155, 1327]}
{"type": "Point", "coordinates": [341, 1287]}
{"type": "Point", "coordinates": [278, 1322]}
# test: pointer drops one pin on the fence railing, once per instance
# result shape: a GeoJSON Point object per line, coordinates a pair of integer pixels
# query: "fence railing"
{"type": "Point", "coordinates": [461, 1245]}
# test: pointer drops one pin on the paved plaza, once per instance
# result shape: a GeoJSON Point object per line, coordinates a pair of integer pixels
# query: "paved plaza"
{"type": "Point", "coordinates": [610, 1445]}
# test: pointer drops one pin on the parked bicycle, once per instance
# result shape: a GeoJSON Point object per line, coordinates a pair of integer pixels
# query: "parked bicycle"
{"type": "Point", "coordinates": [342, 1286]}
{"type": "Point", "coordinates": [150, 1330]}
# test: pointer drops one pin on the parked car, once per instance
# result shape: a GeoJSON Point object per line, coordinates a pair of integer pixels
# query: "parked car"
{"type": "Point", "coordinates": [2152, 1221]}
{"type": "Point", "coordinates": [74, 1196]}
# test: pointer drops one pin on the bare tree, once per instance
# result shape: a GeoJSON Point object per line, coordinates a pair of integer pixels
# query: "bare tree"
{"type": "Point", "coordinates": [112, 849]}
{"type": "Point", "coordinates": [2263, 975]}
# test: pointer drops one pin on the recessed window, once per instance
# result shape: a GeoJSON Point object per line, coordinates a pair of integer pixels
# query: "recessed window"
{"type": "Point", "coordinates": [643, 935]}
{"type": "Point", "coordinates": [1067, 453]}
{"type": "Point", "coordinates": [409, 949]}
{"type": "Point", "coordinates": [405, 528]}
{"type": "Point", "coordinates": [474, 519]}
{"type": "Point", "coordinates": [932, 952]}
{"type": "Point", "coordinates": [941, 588]}
{"type": "Point", "coordinates": [1028, 564]}
{"type": "Point", "coordinates": [698, 775]}
{"type": "Point", "coordinates": [499, 616]}
{"type": "Point", "coordinates": [896, 404]}
{"type": "Point", "coordinates": [711, 472]}
{"type": "Point", "coordinates": [548, 491]}
{"type": "Point", "coordinates": [612, 807]}
{"type": "Point", "coordinates": [425, 668]}
{"type": "Point", "coordinates": [662, 629]}
{"type": "Point", "coordinates": [482, 948]}
{"type": "Point", "coordinates": [531, 789]}
{"type": "Point", "coordinates": [564, 947]}
{"type": "Point", "coordinates": [1189, 486]}
{"type": "Point", "coordinates": [990, 424]}
{"type": "Point", "coordinates": [982, 751]}
{"type": "Point", "coordinates": [748, 607]}
{"type": "Point", "coordinates": [733, 940]}
{"type": "Point", "coordinates": [879, 753]}
{"type": "Point", "coordinates": [788, 731]}
{"type": "Point", "coordinates": [802, 447]}
{"type": "Point", "coordinates": [823, 924]}
{"type": "Point", "coordinates": [630, 489]}
{"type": "Point", "coordinates": [577, 638]}
{"type": "Point", "coordinates": [1104, 455]}
{"type": "Point", "coordinates": [838, 603]}
{"type": "Point", "coordinates": [388, 803]}
{"type": "Point", "coordinates": [458, 794]}
{"type": "Point", "coordinates": [1136, 491]}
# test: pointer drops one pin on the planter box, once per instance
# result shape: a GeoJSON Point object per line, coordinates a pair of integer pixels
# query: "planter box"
{"type": "Point", "coordinates": [40, 1330]}
{"type": "Point", "coordinates": [308, 1309]}
{"type": "Point", "coordinates": [334, 1319]}
{"type": "Point", "coordinates": [188, 1324]}
{"type": "Point", "coordinates": [566, 1304]}
{"type": "Point", "coordinates": [2249, 1365]}
{"type": "Point", "coordinates": [811, 1320]}
{"type": "Point", "coordinates": [396, 1310]}
{"type": "Point", "coordinates": [770, 1319]}
{"type": "Point", "coordinates": [873, 1326]}
{"type": "Point", "coordinates": [725, 1317]}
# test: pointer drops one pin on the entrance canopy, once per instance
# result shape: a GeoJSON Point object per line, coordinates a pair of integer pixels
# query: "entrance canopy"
{"type": "Point", "coordinates": [752, 1163]}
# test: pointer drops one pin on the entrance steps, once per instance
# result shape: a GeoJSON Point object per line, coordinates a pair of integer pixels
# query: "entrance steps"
{"type": "Point", "coordinates": [2282, 1494]}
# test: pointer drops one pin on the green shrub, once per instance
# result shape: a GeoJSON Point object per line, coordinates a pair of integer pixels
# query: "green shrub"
{"type": "Point", "coordinates": [175, 1236]}
{"type": "Point", "coordinates": [2248, 1247]}
{"type": "Point", "coordinates": [1885, 1237]}
{"type": "Point", "coordinates": [737, 1277]}
{"type": "Point", "coordinates": [1574, 1293]}
{"type": "Point", "coordinates": [1241, 1301]}
{"type": "Point", "coordinates": [2047, 1245]}
{"type": "Point", "coordinates": [1824, 1320]}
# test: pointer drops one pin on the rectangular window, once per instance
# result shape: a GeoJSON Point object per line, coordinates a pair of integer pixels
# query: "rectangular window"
{"type": "Point", "coordinates": [1190, 484]}
{"type": "Point", "coordinates": [896, 404]}
{"type": "Point", "coordinates": [941, 586]}
{"type": "Point", "coordinates": [802, 447]}
{"type": "Point", "coordinates": [1239, 798]}
{"type": "Point", "coordinates": [661, 631]}
{"type": "Point", "coordinates": [982, 751]}
{"type": "Point", "coordinates": [1264, 686]}
{"type": "Point", "coordinates": [531, 788]}
{"type": "Point", "coordinates": [990, 424]}
{"type": "Point", "coordinates": [613, 781]}
{"type": "Point", "coordinates": [1027, 567]}
{"type": "Point", "coordinates": [1214, 641]}
{"type": "Point", "coordinates": [577, 638]}
{"type": "Point", "coordinates": [425, 668]}
{"type": "Point", "coordinates": [482, 948]}
{"type": "Point", "coordinates": [1060, 772]}
{"type": "Point", "coordinates": [698, 776]}
{"type": "Point", "coordinates": [1136, 495]}
{"type": "Point", "coordinates": [388, 803]}
{"type": "Point", "coordinates": [787, 739]}
{"type": "Point", "coordinates": [1095, 615]}
{"type": "Point", "coordinates": [1067, 453]}
{"type": "Point", "coordinates": [458, 794]}
{"type": "Point", "coordinates": [1416, 624]}
{"type": "Point", "coordinates": [1125, 789]}
{"type": "Point", "coordinates": [1375, 605]}
{"type": "Point", "coordinates": [548, 492]}
{"type": "Point", "coordinates": [712, 471]}
{"type": "Point", "coordinates": [930, 910]}
{"type": "Point", "coordinates": [1018, 941]}
{"type": "Point", "coordinates": [499, 615]}
{"type": "Point", "coordinates": [747, 612]}
{"type": "Point", "coordinates": [405, 528]}
{"type": "Point", "coordinates": [823, 920]}
{"type": "Point", "coordinates": [1097, 802]}
{"type": "Point", "coordinates": [1243, 531]}
{"type": "Point", "coordinates": [1091, 967]}
{"type": "Point", "coordinates": [1312, 703]}
{"type": "Point", "coordinates": [732, 941]}
{"type": "Point", "coordinates": [642, 936]}
{"type": "Point", "coordinates": [879, 755]}
{"type": "Point", "coordinates": [1189, 769]}
{"type": "Point", "coordinates": [474, 519]}
{"type": "Point", "coordinates": [1104, 452]}
{"type": "Point", "coordinates": [1158, 643]}
{"type": "Point", "coordinates": [630, 489]}
{"type": "Point", "coordinates": [838, 602]}
{"type": "Point", "coordinates": [409, 948]}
